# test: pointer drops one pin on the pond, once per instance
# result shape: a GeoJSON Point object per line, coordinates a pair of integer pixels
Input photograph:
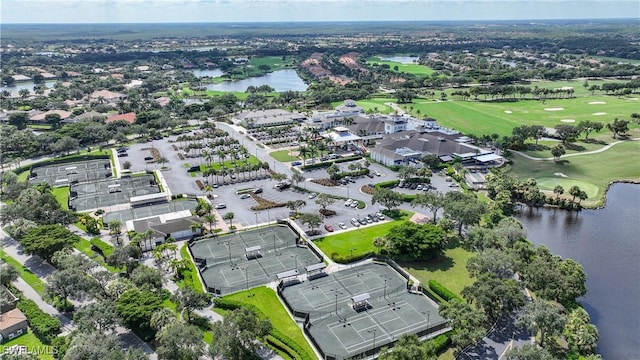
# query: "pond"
{"type": "Point", "coordinates": [281, 80]}
{"type": "Point", "coordinates": [607, 244]}
{"type": "Point", "coordinates": [400, 59]}
{"type": "Point", "coordinates": [29, 85]}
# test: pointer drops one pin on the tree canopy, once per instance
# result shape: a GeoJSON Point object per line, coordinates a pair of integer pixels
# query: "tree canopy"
{"type": "Point", "coordinates": [416, 241]}
{"type": "Point", "coordinates": [235, 336]}
{"type": "Point", "coordinates": [46, 240]}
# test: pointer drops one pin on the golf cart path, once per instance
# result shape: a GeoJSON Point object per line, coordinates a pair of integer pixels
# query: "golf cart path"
{"type": "Point", "coordinates": [604, 148]}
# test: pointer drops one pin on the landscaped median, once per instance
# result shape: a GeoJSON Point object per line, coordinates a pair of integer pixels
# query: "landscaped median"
{"type": "Point", "coordinates": [352, 245]}
{"type": "Point", "coordinates": [264, 302]}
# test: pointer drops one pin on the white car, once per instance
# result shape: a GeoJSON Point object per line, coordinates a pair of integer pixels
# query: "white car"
{"type": "Point", "coordinates": [221, 206]}
{"type": "Point", "coordinates": [313, 195]}
{"type": "Point", "coordinates": [348, 202]}
{"type": "Point", "coordinates": [354, 204]}
{"type": "Point", "coordinates": [342, 225]}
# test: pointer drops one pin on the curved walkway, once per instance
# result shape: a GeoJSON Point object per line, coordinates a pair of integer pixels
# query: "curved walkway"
{"type": "Point", "coordinates": [604, 148]}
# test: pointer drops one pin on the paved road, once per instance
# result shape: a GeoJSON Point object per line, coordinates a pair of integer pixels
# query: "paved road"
{"type": "Point", "coordinates": [494, 346]}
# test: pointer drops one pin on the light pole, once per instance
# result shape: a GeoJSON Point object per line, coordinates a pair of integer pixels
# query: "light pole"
{"type": "Point", "coordinates": [228, 243]}
{"type": "Point", "coordinates": [296, 260]}
{"type": "Point", "coordinates": [374, 338]}
{"type": "Point", "coordinates": [385, 277]}
{"type": "Point", "coordinates": [246, 276]}
{"type": "Point", "coordinates": [336, 293]}
{"type": "Point", "coordinates": [257, 226]}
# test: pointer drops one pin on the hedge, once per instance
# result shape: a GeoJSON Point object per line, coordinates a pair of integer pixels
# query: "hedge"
{"type": "Point", "coordinates": [44, 326]}
{"type": "Point", "coordinates": [440, 343]}
{"type": "Point", "coordinates": [101, 247]}
{"type": "Point", "coordinates": [346, 259]}
{"type": "Point", "coordinates": [387, 184]}
{"type": "Point", "coordinates": [341, 175]}
{"type": "Point", "coordinates": [328, 163]}
{"type": "Point", "coordinates": [443, 292]}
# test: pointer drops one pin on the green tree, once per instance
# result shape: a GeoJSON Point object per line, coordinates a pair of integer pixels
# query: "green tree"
{"type": "Point", "coordinates": [8, 274]}
{"type": "Point", "coordinates": [53, 119]}
{"type": "Point", "coordinates": [332, 170]}
{"type": "Point", "coordinates": [115, 228]}
{"type": "Point", "coordinates": [588, 126]}
{"type": "Point", "coordinates": [464, 209]}
{"type": "Point", "coordinates": [189, 300]}
{"type": "Point", "coordinates": [136, 307]}
{"type": "Point", "coordinates": [539, 316]}
{"type": "Point", "coordinates": [147, 278]}
{"type": "Point", "coordinates": [19, 120]}
{"type": "Point", "coordinates": [379, 242]}
{"type": "Point", "coordinates": [494, 261]}
{"type": "Point", "coordinates": [99, 316]}
{"type": "Point", "coordinates": [433, 201]}
{"type": "Point", "coordinates": [312, 220]}
{"type": "Point", "coordinates": [229, 216]}
{"type": "Point", "coordinates": [558, 190]}
{"type": "Point", "coordinates": [618, 127]}
{"type": "Point", "coordinates": [161, 318]}
{"type": "Point", "coordinates": [94, 346]}
{"type": "Point", "coordinates": [495, 296]}
{"type": "Point", "coordinates": [567, 133]}
{"type": "Point", "coordinates": [530, 352]}
{"type": "Point", "coordinates": [46, 240]}
{"type": "Point", "coordinates": [469, 323]}
{"type": "Point", "coordinates": [581, 335]}
{"type": "Point", "coordinates": [387, 197]}
{"type": "Point", "coordinates": [557, 151]}
{"type": "Point", "coordinates": [295, 205]}
{"type": "Point", "coordinates": [235, 336]}
{"type": "Point", "coordinates": [178, 341]}
{"type": "Point", "coordinates": [325, 200]}
{"type": "Point", "coordinates": [408, 347]}
{"type": "Point", "coordinates": [416, 241]}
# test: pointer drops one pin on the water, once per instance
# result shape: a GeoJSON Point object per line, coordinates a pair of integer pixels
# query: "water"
{"type": "Point", "coordinates": [281, 80]}
{"type": "Point", "coordinates": [29, 85]}
{"type": "Point", "coordinates": [607, 244]}
{"type": "Point", "coordinates": [212, 73]}
{"type": "Point", "coordinates": [400, 59]}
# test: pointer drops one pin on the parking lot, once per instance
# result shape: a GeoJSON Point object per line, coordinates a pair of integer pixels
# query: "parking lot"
{"type": "Point", "coordinates": [179, 181]}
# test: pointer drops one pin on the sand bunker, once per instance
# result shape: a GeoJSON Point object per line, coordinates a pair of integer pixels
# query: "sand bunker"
{"type": "Point", "coordinates": [560, 174]}
{"type": "Point", "coordinates": [634, 99]}
{"type": "Point", "coordinates": [597, 102]}
{"type": "Point", "coordinates": [507, 111]}
{"type": "Point", "coordinates": [599, 114]}
{"type": "Point", "coordinates": [554, 109]}
{"type": "Point", "coordinates": [567, 120]}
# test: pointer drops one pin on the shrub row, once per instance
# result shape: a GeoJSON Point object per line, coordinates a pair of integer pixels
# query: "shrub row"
{"type": "Point", "coordinates": [300, 353]}
{"type": "Point", "coordinates": [44, 326]}
{"type": "Point", "coordinates": [387, 184]}
{"type": "Point", "coordinates": [327, 163]}
{"type": "Point", "coordinates": [346, 259]}
{"type": "Point", "coordinates": [440, 343]}
{"type": "Point", "coordinates": [101, 247]}
{"type": "Point", "coordinates": [443, 292]}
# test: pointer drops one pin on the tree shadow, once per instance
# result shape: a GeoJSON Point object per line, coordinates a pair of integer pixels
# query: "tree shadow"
{"type": "Point", "coordinates": [562, 162]}
{"type": "Point", "coordinates": [574, 147]}
{"type": "Point", "coordinates": [441, 263]}
{"type": "Point", "coordinates": [593, 141]}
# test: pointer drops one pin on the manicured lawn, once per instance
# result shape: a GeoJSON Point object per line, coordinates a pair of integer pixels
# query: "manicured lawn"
{"type": "Point", "coordinates": [597, 169]}
{"type": "Point", "coordinates": [267, 301]}
{"type": "Point", "coordinates": [45, 352]}
{"type": "Point", "coordinates": [415, 69]}
{"type": "Point", "coordinates": [449, 270]}
{"type": "Point", "coordinates": [229, 164]}
{"type": "Point", "coordinates": [604, 138]}
{"type": "Point", "coordinates": [361, 239]}
{"type": "Point", "coordinates": [30, 278]}
{"type": "Point", "coordinates": [374, 105]}
{"type": "Point", "coordinates": [84, 246]}
{"type": "Point", "coordinates": [62, 196]}
{"type": "Point", "coordinates": [191, 277]}
{"type": "Point", "coordinates": [480, 118]}
{"type": "Point", "coordinates": [285, 155]}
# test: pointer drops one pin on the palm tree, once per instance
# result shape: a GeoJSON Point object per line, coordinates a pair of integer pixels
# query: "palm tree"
{"type": "Point", "coordinates": [379, 242]}
{"type": "Point", "coordinates": [558, 190]}
{"type": "Point", "coordinates": [229, 216]}
{"type": "Point", "coordinates": [211, 219]}
{"type": "Point", "coordinates": [115, 228]}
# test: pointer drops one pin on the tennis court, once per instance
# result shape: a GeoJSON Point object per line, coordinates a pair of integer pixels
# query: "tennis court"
{"type": "Point", "coordinates": [72, 172]}
{"type": "Point", "coordinates": [250, 258]}
{"type": "Point", "coordinates": [142, 212]}
{"type": "Point", "coordinates": [109, 192]}
{"type": "Point", "coordinates": [354, 313]}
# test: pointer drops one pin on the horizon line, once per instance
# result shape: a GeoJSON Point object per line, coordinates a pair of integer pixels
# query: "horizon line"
{"type": "Point", "coordinates": [633, 19]}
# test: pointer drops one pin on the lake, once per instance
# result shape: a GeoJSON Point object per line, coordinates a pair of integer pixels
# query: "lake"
{"type": "Point", "coordinates": [400, 59]}
{"type": "Point", "coordinates": [607, 244]}
{"type": "Point", "coordinates": [280, 80]}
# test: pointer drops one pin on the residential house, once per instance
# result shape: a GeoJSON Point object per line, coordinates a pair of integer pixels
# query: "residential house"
{"type": "Point", "coordinates": [13, 323]}
{"type": "Point", "coordinates": [129, 117]}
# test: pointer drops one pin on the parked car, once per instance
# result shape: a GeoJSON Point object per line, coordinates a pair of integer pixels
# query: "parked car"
{"type": "Point", "coordinates": [313, 195]}
{"type": "Point", "coordinates": [419, 187]}
{"type": "Point", "coordinates": [453, 185]}
{"type": "Point", "coordinates": [215, 185]}
{"type": "Point", "coordinates": [221, 206]}
{"type": "Point", "coordinates": [377, 173]}
{"type": "Point", "coordinates": [328, 227]}
{"type": "Point", "coordinates": [354, 204]}
{"type": "Point", "coordinates": [296, 163]}
{"type": "Point", "coordinates": [362, 221]}
{"type": "Point", "coordinates": [401, 184]}
{"type": "Point", "coordinates": [369, 175]}
{"type": "Point", "coordinates": [123, 154]}
{"type": "Point", "coordinates": [245, 196]}
{"type": "Point", "coordinates": [342, 225]}
{"type": "Point", "coordinates": [373, 217]}
{"type": "Point", "coordinates": [355, 222]}
{"type": "Point", "coordinates": [348, 202]}
{"type": "Point", "coordinates": [380, 215]}
{"type": "Point", "coordinates": [257, 191]}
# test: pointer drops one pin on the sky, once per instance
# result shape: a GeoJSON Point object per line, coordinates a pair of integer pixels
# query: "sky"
{"type": "Point", "coordinates": [161, 11]}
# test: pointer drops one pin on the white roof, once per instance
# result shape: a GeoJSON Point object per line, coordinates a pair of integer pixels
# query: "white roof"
{"type": "Point", "coordinates": [361, 297]}
{"type": "Point", "coordinates": [488, 157]}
